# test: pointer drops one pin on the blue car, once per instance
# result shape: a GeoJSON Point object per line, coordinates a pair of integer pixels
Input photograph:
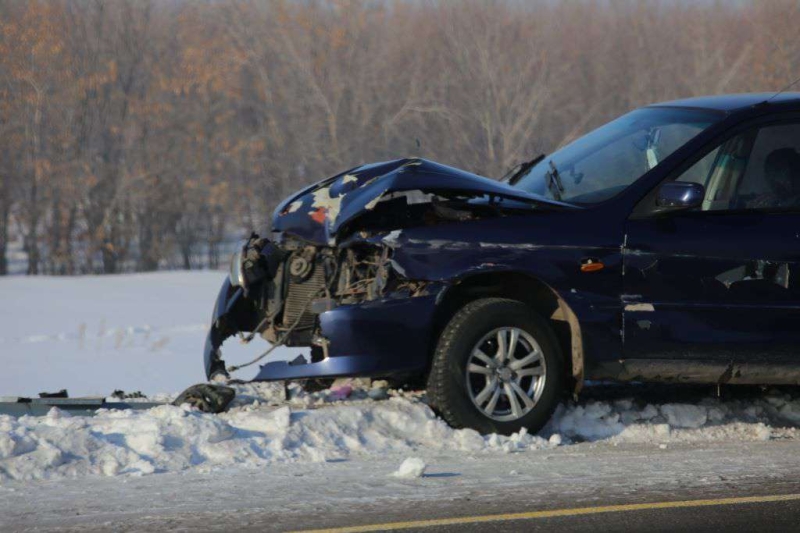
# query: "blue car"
{"type": "Point", "coordinates": [662, 246]}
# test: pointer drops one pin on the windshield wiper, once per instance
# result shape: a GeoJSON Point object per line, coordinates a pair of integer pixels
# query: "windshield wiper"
{"type": "Point", "coordinates": [554, 181]}
{"type": "Point", "coordinates": [517, 171]}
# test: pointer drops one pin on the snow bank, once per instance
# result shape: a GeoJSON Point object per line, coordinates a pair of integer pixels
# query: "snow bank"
{"type": "Point", "coordinates": [168, 438]}
{"type": "Point", "coordinates": [319, 427]}
{"type": "Point", "coordinates": [627, 421]}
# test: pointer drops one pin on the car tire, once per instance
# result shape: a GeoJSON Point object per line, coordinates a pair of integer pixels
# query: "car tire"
{"type": "Point", "coordinates": [460, 374]}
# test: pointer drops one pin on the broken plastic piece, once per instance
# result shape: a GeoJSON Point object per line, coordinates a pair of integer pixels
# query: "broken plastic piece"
{"type": "Point", "coordinates": [60, 394]}
{"type": "Point", "coordinates": [341, 392]}
{"type": "Point", "coordinates": [299, 360]}
{"type": "Point", "coordinates": [207, 398]}
{"type": "Point", "coordinates": [122, 395]}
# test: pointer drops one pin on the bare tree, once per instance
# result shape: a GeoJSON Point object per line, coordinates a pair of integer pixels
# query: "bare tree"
{"type": "Point", "coordinates": [139, 134]}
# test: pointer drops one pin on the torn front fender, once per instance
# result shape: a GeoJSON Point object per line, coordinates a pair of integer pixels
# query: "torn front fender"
{"type": "Point", "coordinates": [223, 325]}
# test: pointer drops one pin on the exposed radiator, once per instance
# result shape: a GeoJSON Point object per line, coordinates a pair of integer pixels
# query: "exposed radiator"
{"type": "Point", "coordinates": [298, 299]}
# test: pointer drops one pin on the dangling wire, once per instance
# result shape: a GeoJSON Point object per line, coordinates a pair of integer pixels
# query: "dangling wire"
{"type": "Point", "coordinates": [280, 341]}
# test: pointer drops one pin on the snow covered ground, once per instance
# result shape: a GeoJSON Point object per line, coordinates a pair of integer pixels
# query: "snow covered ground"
{"type": "Point", "coordinates": [92, 335]}
{"type": "Point", "coordinates": [321, 427]}
{"type": "Point", "coordinates": [146, 332]}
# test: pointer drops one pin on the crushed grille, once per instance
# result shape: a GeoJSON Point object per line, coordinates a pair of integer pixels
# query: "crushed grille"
{"type": "Point", "coordinates": [298, 299]}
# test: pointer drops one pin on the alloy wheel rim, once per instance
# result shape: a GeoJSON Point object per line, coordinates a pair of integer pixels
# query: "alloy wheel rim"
{"type": "Point", "coordinates": [506, 374]}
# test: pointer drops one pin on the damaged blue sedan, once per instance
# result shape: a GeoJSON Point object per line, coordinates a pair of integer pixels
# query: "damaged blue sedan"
{"type": "Point", "coordinates": [663, 246]}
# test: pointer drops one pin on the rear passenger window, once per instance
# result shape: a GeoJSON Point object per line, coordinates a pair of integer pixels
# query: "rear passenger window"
{"type": "Point", "coordinates": [758, 169]}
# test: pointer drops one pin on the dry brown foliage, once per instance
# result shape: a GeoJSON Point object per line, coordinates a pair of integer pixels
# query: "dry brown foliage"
{"type": "Point", "coordinates": [139, 134]}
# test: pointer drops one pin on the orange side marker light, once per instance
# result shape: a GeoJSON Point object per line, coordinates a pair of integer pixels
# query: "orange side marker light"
{"type": "Point", "coordinates": [591, 265]}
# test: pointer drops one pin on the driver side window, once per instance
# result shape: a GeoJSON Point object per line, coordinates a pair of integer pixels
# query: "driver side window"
{"type": "Point", "coordinates": [755, 170]}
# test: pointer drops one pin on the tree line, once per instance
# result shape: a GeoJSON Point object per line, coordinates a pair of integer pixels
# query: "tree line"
{"type": "Point", "coordinates": [145, 134]}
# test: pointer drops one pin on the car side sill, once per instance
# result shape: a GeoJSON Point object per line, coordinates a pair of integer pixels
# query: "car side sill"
{"type": "Point", "coordinates": [694, 371]}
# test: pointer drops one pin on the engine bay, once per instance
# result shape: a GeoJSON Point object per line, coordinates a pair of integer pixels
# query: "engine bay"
{"type": "Point", "coordinates": [311, 279]}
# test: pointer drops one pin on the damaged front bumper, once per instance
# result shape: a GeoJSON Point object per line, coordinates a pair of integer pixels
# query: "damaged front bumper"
{"type": "Point", "coordinates": [221, 328]}
{"type": "Point", "coordinates": [348, 306]}
{"type": "Point", "coordinates": [363, 341]}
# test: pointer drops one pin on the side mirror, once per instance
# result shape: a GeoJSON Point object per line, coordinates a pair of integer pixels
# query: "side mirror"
{"type": "Point", "coordinates": [680, 195]}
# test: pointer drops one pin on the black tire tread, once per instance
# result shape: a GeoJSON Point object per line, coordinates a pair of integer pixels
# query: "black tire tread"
{"type": "Point", "coordinates": [437, 399]}
{"type": "Point", "coordinates": [443, 399]}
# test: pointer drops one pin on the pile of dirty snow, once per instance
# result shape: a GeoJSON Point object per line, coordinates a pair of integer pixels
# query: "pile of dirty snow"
{"type": "Point", "coordinates": [169, 438]}
{"type": "Point", "coordinates": [626, 421]}
{"type": "Point", "coordinates": [343, 422]}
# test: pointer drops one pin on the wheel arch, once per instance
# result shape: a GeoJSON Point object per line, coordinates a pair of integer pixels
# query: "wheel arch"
{"type": "Point", "coordinates": [530, 290]}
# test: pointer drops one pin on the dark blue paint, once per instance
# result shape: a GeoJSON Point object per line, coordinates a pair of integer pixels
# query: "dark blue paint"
{"type": "Point", "coordinates": [360, 186]}
{"type": "Point", "coordinates": [537, 248]}
{"type": "Point", "coordinates": [226, 299]}
{"type": "Point", "coordinates": [700, 271]}
{"type": "Point", "coordinates": [731, 103]}
{"type": "Point", "coordinates": [680, 194]}
{"type": "Point", "coordinates": [670, 262]}
{"type": "Point", "coordinates": [377, 338]}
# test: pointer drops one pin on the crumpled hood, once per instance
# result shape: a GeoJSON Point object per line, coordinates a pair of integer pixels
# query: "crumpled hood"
{"type": "Point", "coordinates": [318, 212]}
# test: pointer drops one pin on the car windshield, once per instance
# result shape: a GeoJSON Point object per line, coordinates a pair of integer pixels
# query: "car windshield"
{"type": "Point", "coordinates": [601, 164]}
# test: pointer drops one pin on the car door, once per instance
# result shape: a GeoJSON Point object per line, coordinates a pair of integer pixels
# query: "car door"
{"type": "Point", "coordinates": [720, 283]}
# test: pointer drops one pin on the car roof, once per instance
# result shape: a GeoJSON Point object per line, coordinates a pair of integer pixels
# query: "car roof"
{"type": "Point", "coordinates": [733, 102]}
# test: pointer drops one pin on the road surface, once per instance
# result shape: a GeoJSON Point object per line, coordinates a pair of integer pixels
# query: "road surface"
{"type": "Point", "coordinates": [464, 492]}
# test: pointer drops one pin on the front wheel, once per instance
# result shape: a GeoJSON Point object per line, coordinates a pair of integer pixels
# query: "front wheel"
{"type": "Point", "coordinates": [497, 368]}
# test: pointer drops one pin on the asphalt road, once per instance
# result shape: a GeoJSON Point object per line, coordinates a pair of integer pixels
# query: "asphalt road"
{"type": "Point", "coordinates": [742, 504]}
{"type": "Point", "coordinates": [776, 516]}
{"type": "Point", "coordinates": [694, 511]}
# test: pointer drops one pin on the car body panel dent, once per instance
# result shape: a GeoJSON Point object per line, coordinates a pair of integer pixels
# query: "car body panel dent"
{"type": "Point", "coordinates": [685, 296]}
{"type": "Point", "coordinates": [363, 340]}
{"type": "Point", "coordinates": [317, 213]}
{"type": "Point", "coordinates": [458, 252]}
{"type": "Point", "coordinates": [227, 297]}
